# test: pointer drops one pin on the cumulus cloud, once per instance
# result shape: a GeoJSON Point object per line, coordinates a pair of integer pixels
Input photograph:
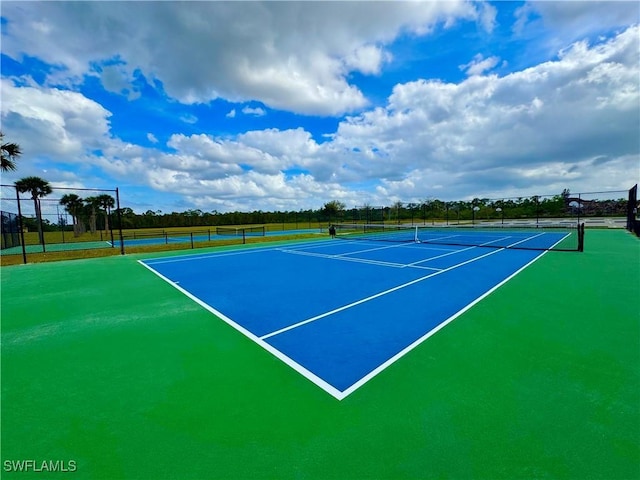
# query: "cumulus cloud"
{"type": "Point", "coordinates": [530, 126]}
{"type": "Point", "coordinates": [479, 65]}
{"type": "Point", "coordinates": [571, 21]}
{"type": "Point", "coordinates": [568, 123]}
{"type": "Point", "coordinates": [255, 112]}
{"type": "Point", "coordinates": [116, 79]}
{"type": "Point", "coordinates": [247, 57]}
{"type": "Point", "coordinates": [52, 122]}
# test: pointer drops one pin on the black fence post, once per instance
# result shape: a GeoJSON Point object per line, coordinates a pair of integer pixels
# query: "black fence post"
{"type": "Point", "coordinates": [119, 221]}
{"type": "Point", "coordinates": [111, 228]}
{"type": "Point", "coordinates": [24, 250]}
{"type": "Point", "coordinates": [39, 214]}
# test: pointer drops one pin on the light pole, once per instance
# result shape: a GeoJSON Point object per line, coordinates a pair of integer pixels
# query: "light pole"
{"type": "Point", "coordinates": [499, 210]}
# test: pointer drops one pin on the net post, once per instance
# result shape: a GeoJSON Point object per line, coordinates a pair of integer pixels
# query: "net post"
{"type": "Point", "coordinates": [244, 238]}
{"type": "Point", "coordinates": [191, 236]}
{"type": "Point", "coordinates": [581, 237]}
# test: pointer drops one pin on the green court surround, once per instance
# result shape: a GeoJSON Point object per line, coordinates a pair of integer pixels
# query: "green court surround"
{"type": "Point", "coordinates": [105, 364]}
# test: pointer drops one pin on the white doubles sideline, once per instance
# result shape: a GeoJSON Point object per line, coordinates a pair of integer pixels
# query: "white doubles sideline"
{"type": "Point", "coordinates": [339, 395]}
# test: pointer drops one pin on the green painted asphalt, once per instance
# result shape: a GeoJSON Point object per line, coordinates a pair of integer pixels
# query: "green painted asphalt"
{"type": "Point", "coordinates": [106, 365]}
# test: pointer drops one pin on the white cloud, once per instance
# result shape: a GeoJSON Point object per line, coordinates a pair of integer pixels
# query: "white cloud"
{"type": "Point", "coordinates": [533, 129]}
{"type": "Point", "coordinates": [152, 138]}
{"type": "Point", "coordinates": [231, 114]}
{"type": "Point", "coordinates": [188, 118]}
{"type": "Point", "coordinates": [53, 122]}
{"type": "Point", "coordinates": [551, 25]}
{"type": "Point", "coordinates": [247, 56]}
{"type": "Point", "coordinates": [570, 123]}
{"type": "Point", "coordinates": [255, 112]}
{"type": "Point", "coordinates": [116, 79]}
{"type": "Point", "coordinates": [479, 65]}
{"type": "Point", "coordinates": [367, 59]}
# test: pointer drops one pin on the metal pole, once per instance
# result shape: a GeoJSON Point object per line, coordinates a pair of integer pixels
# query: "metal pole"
{"type": "Point", "coordinates": [39, 215]}
{"type": "Point", "coordinates": [119, 222]}
{"type": "Point", "coordinates": [110, 226]}
{"type": "Point", "coordinates": [60, 223]}
{"type": "Point", "coordinates": [579, 207]}
{"type": "Point", "coordinates": [24, 251]}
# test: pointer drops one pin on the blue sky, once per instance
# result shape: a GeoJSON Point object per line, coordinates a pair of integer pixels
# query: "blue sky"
{"type": "Point", "coordinates": [288, 105]}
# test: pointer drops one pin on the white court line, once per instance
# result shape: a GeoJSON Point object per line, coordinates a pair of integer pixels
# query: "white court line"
{"type": "Point", "coordinates": [344, 259]}
{"type": "Point", "coordinates": [357, 260]}
{"type": "Point", "coordinates": [239, 251]}
{"type": "Point", "coordinates": [455, 251]}
{"type": "Point", "coordinates": [334, 392]}
{"type": "Point", "coordinates": [440, 256]}
{"type": "Point", "coordinates": [436, 329]}
{"type": "Point", "coordinates": [377, 295]}
{"type": "Point", "coordinates": [386, 247]}
{"type": "Point", "coordinates": [330, 389]}
{"type": "Point", "coordinates": [386, 292]}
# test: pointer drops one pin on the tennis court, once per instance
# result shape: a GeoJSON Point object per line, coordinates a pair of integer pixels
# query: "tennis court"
{"type": "Point", "coordinates": [373, 300]}
{"type": "Point", "coordinates": [107, 365]}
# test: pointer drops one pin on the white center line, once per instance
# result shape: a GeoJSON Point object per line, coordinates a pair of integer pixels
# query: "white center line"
{"type": "Point", "coordinates": [377, 295]}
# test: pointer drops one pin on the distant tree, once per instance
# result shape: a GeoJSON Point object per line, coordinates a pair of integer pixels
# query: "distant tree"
{"type": "Point", "coordinates": [10, 153]}
{"type": "Point", "coordinates": [106, 203]}
{"type": "Point", "coordinates": [73, 204]}
{"type": "Point", "coordinates": [38, 188]}
{"type": "Point", "coordinates": [92, 205]}
{"type": "Point", "coordinates": [333, 209]}
{"type": "Point", "coordinates": [397, 207]}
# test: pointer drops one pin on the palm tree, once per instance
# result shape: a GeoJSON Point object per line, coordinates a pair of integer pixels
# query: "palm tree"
{"type": "Point", "coordinates": [73, 204]}
{"type": "Point", "coordinates": [38, 188]}
{"type": "Point", "coordinates": [92, 204]}
{"type": "Point", "coordinates": [106, 202]}
{"type": "Point", "coordinates": [10, 153]}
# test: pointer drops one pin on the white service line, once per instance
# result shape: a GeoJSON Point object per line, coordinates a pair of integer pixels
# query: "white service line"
{"type": "Point", "coordinates": [240, 251]}
{"type": "Point", "coordinates": [377, 295]}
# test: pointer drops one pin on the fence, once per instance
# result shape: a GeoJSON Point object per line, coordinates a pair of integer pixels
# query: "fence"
{"type": "Point", "coordinates": [633, 222]}
{"type": "Point", "coordinates": [10, 232]}
{"type": "Point", "coordinates": [598, 207]}
{"type": "Point", "coordinates": [72, 219]}
{"type": "Point", "coordinates": [44, 220]}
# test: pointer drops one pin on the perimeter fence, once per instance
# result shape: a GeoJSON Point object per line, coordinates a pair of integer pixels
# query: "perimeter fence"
{"type": "Point", "coordinates": [609, 208]}
{"type": "Point", "coordinates": [65, 222]}
{"type": "Point", "coordinates": [45, 220]}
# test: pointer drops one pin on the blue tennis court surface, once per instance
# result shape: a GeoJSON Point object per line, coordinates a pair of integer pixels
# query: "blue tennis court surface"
{"type": "Point", "coordinates": [339, 312]}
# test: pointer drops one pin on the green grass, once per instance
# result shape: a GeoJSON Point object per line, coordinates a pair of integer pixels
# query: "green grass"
{"type": "Point", "coordinates": [106, 364]}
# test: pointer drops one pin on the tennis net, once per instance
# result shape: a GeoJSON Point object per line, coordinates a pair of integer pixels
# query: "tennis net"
{"type": "Point", "coordinates": [535, 236]}
{"type": "Point", "coordinates": [255, 231]}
